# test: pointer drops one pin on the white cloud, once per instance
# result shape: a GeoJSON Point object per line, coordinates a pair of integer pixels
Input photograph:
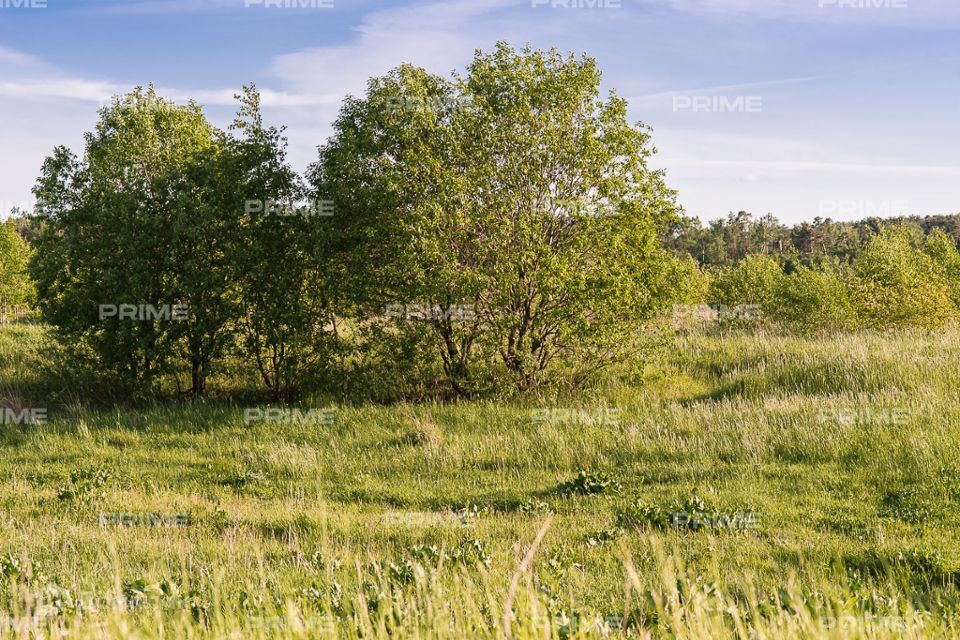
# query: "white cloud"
{"type": "Point", "coordinates": [902, 13]}
{"type": "Point", "coordinates": [716, 173]}
{"type": "Point", "coordinates": [28, 78]}
{"type": "Point", "coordinates": [439, 36]}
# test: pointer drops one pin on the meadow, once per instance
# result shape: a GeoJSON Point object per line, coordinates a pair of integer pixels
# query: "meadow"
{"type": "Point", "coordinates": [749, 485]}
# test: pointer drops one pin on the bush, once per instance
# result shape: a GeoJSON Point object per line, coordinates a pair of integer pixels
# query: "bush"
{"type": "Point", "coordinates": [156, 215]}
{"type": "Point", "coordinates": [16, 288]}
{"type": "Point", "coordinates": [754, 282]}
{"type": "Point", "coordinates": [815, 299]}
{"type": "Point", "coordinates": [897, 285]}
{"type": "Point", "coordinates": [943, 251]}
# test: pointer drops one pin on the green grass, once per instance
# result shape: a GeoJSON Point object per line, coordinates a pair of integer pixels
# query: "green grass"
{"type": "Point", "coordinates": [409, 521]}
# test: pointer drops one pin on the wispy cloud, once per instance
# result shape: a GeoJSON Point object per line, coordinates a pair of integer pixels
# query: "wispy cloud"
{"type": "Point", "coordinates": [897, 13]}
{"type": "Point", "coordinates": [29, 78]}
{"type": "Point", "coordinates": [722, 89]}
{"type": "Point", "coordinates": [133, 7]}
{"type": "Point", "coordinates": [439, 36]}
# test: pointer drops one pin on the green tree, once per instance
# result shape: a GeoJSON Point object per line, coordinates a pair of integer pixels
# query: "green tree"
{"type": "Point", "coordinates": [754, 282]}
{"type": "Point", "coordinates": [286, 325]}
{"type": "Point", "coordinates": [16, 288]}
{"type": "Point", "coordinates": [816, 299]}
{"type": "Point", "coordinates": [121, 226]}
{"type": "Point", "coordinates": [942, 249]}
{"type": "Point", "coordinates": [516, 190]}
{"type": "Point", "coordinates": [898, 285]}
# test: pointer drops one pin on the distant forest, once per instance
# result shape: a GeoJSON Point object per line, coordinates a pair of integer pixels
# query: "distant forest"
{"type": "Point", "coordinates": [726, 241]}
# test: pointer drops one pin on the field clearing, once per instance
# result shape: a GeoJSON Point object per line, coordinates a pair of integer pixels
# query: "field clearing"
{"type": "Point", "coordinates": [839, 456]}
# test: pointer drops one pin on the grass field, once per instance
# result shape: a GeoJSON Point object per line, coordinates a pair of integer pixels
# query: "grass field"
{"type": "Point", "coordinates": [757, 487]}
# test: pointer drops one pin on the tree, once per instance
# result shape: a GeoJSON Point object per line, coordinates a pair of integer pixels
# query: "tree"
{"type": "Point", "coordinates": [897, 285]}
{"type": "Point", "coordinates": [281, 283]}
{"type": "Point", "coordinates": [166, 212]}
{"type": "Point", "coordinates": [816, 299]}
{"type": "Point", "coordinates": [16, 289]}
{"type": "Point", "coordinates": [942, 249]}
{"type": "Point", "coordinates": [753, 282]}
{"type": "Point", "coordinates": [515, 191]}
{"type": "Point", "coordinates": [120, 227]}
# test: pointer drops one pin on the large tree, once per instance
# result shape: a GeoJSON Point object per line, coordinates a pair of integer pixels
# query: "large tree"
{"type": "Point", "coordinates": [514, 202]}
{"type": "Point", "coordinates": [158, 214]}
{"type": "Point", "coordinates": [286, 328]}
{"type": "Point", "coordinates": [111, 228]}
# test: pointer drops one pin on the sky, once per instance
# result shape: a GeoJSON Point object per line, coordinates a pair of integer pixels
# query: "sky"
{"type": "Point", "coordinates": [799, 108]}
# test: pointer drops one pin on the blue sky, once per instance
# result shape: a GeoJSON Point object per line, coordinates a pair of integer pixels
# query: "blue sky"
{"type": "Point", "coordinates": [798, 108]}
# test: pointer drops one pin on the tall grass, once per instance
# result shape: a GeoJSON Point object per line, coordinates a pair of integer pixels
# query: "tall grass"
{"type": "Point", "coordinates": [186, 520]}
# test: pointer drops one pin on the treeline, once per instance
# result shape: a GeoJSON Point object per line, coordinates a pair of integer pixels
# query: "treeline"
{"type": "Point", "coordinates": [898, 279]}
{"type": "Point", "coordinates": [725, 242]}
{"type": "Point", "coordinates": [493, 232]}
{"type": "Point", "coordinates": [496, 232]}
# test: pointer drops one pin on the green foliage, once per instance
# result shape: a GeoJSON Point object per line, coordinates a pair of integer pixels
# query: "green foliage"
{"type": "Point", "coordinates": [898, 285]}
{"type": "Point", "coordinates": [523, 269]}
{"type": "Point", "coordinates": [907, 505]}
{"type": "Point", "coordinates": [85, 486]}
{"type": "Point", "coordinates": [555, 253]}
{"type": "Point", "coordinates": [589, 483]}
{"type": "Point", "coordinates": [754, 281]}
{"type": "Point", "coordinates": [689, 514]}
{"type": "Point", "coordinates": [816, 299]}
{"type": "Point", "coordinates": [724, 242]}
{"type": "Point", "coordinates": [16, 288]}
{"type": "Point", "coordinates": [281, 287]}
{"type": "Point", "coordinates": [157, 213]}
{"type": "Point", "coordinates": [942, 249]}
{"type": "Point", "coordinates": [119, 227]}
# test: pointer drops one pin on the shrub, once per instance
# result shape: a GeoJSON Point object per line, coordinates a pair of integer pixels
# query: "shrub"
{"type": "Point", "coordinates": [897, 285]}
{"type": "Point", "coordinates": [590, 483]}
{"type": "Point", "coordinates": [156, 214]}
{"type": "Point", "coordinates": [16, 288]}
{"type": "Point", "coordinates": [813, 299]}
{"type": "Point", "coordinates": [754, 282]}
{"type": "Point", "coordinates": [943, 251]}
{"type": "Point", "coordinates": [690, 514]}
